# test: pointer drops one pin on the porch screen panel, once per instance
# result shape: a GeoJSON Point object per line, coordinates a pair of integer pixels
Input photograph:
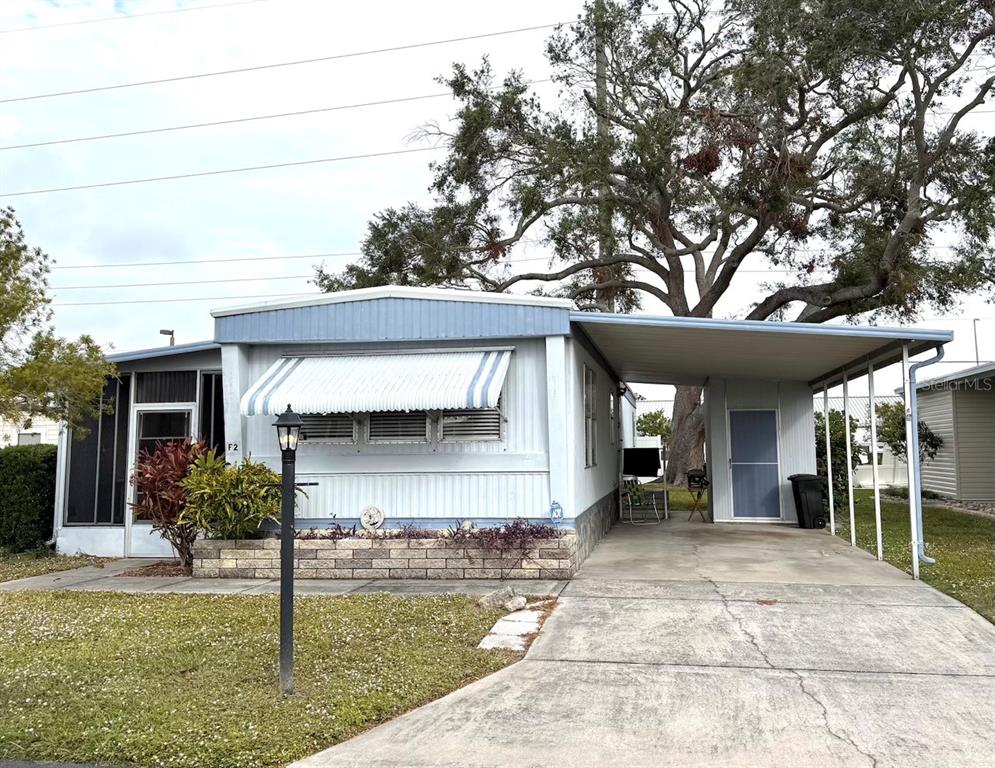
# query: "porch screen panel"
{"type": "Point", "coordinates": [212, 412]}
{"type": "Point", "coordinates": [81, 486]}
{"type": "Point", "coordinates": [122, 411]}
{"type": "Point", "coordinates": [167, 387]}
{"type": "Point", "coordinates": [105, 459]}
{"type": "Point", "coordinates": [98, 462]}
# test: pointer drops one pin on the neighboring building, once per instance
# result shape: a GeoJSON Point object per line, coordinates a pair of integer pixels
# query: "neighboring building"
{"type": "Point", "coordinates": [441, 405]}
{"type": "Point", "coordinates": [38, 431]}
{"type": "Point", "coordinates": [960, 408]}
{"type": "Point", "coordinates": [891, 469]}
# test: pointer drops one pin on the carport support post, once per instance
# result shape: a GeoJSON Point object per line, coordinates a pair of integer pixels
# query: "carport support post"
{"type": "Point", "coordinates": [829, 459]}
{"type": "Point", "coordinates": [874, 458]}
{"type": "Point", "coordinates": [849, 458]}
{"type": "Point", "coordinates": [909, 442]}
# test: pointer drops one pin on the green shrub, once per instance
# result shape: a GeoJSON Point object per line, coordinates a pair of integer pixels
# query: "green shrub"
{"type": "Point", "coordinates": [231, 501]}
{"type": "Point", "coordinates": [158, 479]}
{"type": "Point", "coordinates": [27, 495]}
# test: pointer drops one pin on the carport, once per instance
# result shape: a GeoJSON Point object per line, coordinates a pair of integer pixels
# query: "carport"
{"type": "Point", "coordinates": [758, 378]}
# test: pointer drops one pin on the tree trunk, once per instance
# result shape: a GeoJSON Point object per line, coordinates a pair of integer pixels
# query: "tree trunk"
{"type": "Point", "coordinates": [687, 443]}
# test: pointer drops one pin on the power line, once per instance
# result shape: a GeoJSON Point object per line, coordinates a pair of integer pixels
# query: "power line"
{"type": "Point", "coordinates": [231, 121]}
{"type": "Point", "coordinates": [178, 282]}
{"type": "Point", "coordinates": [219, 172]}
{"type": "Point", "coordinates": [130, 16]}
{"type": "Point", "coordinates": [173, 301]}
{"type": "Point", "coordinates": [234, 120]}
{"type": "Point", "coordinates": [206, 261]}
{"type": "Point", "coordinates": [276, 65]}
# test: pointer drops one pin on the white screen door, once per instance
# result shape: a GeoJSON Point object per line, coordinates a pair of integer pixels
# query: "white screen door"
{"type": "Point", "coordinates": [753, 464]}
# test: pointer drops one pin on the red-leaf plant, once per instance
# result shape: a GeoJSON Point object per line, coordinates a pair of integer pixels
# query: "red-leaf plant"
{"type": "Point", "coordinates": [160, 496]}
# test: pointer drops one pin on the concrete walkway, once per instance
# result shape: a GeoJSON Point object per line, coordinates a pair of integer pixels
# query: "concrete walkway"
{"type": "Point", "coordinates": [696, 645]}
{"type": "Point", "coordinates": [109, 579]}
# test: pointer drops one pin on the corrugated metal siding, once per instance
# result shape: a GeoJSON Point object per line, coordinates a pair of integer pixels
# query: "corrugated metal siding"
{"type": "Point", "coordinates": [392, 319]}
{"type": "Point", "coordinates": [428, 495]}
{"type": "Point", "coordinates": [591, 484]}
{"type": "Point", "coordinates": [796, 434]}
{"type": "Point", "coordinates": [797, 440]}
{"type": "Point", "coordinates": [936, 408]}
{"type": "Point", "coordinates": [975, 421]}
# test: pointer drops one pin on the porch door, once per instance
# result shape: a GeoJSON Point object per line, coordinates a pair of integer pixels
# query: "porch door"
{"type": "Point", "coordinates": [154, 425]}
{"type": "Point", "coordinates": [753, 464]}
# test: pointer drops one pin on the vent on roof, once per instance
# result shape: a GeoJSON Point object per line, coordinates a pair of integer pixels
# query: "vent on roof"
{"type": "Point", "coordinates": [399, 427]}
{"type": "Point", "coordinates": [328, 428]}
{"type": "Point", "coordinates": [476, 424]}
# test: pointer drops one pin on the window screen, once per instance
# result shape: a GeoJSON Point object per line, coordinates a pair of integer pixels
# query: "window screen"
{"type": "Point", "coordinates": [328, 428]}
{"type": "Point", "coordinates": [167, 387]}
{"type": "Point", "coordinates": [29, 438]}
{"type": "Point", "coordinates": [475, 424]}
{"type": "Point", "coordinates": [399, 427]}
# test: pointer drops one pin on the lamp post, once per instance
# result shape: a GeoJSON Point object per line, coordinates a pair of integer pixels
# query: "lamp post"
{"type": "Point", "coordinates": [288, 428]}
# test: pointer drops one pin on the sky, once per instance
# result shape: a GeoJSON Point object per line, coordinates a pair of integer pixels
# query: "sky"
{"type": "Point", "coordinates": [286, 220]}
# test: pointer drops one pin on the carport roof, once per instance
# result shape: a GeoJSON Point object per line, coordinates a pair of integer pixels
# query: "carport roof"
{"type": "Point", "coordinates": [682, 350]}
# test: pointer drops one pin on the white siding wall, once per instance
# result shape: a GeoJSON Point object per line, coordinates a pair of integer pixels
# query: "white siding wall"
{"type": "Point", "coordinates": [796, 435]}
{"type": "Point", "coordinates": [506, 478]}
{"type": "Point", "coordinates": [46, 428]}
{"type": "Point", "coordinates": [975, 419]}
{"type": "Point", "coordinates": [936, 408]}
{"type": "Point", "coordinates": [590, 483]}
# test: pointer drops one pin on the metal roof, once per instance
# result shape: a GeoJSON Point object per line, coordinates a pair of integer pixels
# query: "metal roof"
{"type": "Point", "coordinates": [396, 292]}
{"type": "Point", "coordinates": [969, 373]}
{"type": "Point", "coordinates": [684, 350]}
{"type": "Point", "coordinates": [176, 349]}
{"type": "Point", "coordinates": [422, 381]}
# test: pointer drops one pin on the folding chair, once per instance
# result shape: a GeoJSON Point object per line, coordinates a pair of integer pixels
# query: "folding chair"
{"type": "Point", "coordinates": [697, 486]}
{"type": "Point", "coordinates": [634, 497]}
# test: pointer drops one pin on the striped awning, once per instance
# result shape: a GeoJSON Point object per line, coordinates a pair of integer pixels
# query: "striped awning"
{"type": "Point", "coordinates": [406, 381]}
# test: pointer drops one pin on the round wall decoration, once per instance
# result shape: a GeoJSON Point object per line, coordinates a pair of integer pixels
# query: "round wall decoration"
{"type": "Point", "coordinates": [371, 518]}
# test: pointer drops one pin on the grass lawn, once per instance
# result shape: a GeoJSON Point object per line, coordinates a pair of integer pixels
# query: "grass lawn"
{"type": "Point", "coordinates": [191, 680]}
{"type": "Point", "coordinates": [36, 563]}
{"type": "Point", "coordinates": [962, 544]}
{"type": "Point", "coordinates": [680, 497]}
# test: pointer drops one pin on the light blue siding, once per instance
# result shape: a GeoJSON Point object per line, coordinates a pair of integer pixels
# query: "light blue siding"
{"type": "Point", "coordinates": [392, 319]}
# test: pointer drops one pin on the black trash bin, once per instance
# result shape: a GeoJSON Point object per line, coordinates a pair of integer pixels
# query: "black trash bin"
{"type": "Point", "coordinates": [809, 491]}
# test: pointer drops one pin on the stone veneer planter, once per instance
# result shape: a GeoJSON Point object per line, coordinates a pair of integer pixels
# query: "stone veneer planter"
{"type": "Point", "coordinates": [383, 558]}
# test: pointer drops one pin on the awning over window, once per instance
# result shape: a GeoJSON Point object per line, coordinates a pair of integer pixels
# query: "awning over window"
{"type": "Point", "coordinates": [421, 381]}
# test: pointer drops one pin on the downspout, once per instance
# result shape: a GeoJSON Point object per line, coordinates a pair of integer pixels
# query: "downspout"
{"type": "Point", "coordinates": [913, 450]}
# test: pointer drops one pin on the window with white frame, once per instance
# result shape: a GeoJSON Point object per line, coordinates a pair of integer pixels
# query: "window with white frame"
{"type": "Point", "coordinates": [29, 438]}
{"type": "Point", "coordinates": [328, 428]}
{"type": "Point", "coordinates": [477, 424]}
{"type": "Point", "coordinates": [590, 418]}
{"type": "Point", "coordinates": [398, 427]}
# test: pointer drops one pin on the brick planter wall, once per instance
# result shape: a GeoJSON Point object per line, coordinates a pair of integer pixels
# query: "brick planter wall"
{"type": "Point", "coordinates": [374, 558]}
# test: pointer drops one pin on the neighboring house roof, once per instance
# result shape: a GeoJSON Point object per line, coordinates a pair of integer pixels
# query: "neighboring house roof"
{"type": "Point", "coordinates": [176, 349]}
{"type": "Point", "coordinates": [859, 405]}
{"type": "Point", "coordinates": [977, 372]}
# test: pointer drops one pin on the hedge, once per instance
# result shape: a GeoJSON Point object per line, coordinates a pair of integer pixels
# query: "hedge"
{"type": "Point", "coordinates": [27, 495]}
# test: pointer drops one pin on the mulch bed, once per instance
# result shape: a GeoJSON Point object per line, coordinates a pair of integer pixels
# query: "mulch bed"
{"type": "Point", "coordinates": [162, 568]}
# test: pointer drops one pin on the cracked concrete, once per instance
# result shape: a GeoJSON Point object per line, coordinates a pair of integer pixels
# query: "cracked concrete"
{"type": "Point", "coordinates": [696, 645]}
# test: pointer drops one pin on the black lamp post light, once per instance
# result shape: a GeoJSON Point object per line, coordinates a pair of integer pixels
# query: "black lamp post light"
{"type": "Point", "coordinates": [288, 430]}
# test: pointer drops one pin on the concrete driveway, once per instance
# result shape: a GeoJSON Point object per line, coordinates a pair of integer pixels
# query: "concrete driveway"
{"type": "Point", "coordinates": [697, 645]}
